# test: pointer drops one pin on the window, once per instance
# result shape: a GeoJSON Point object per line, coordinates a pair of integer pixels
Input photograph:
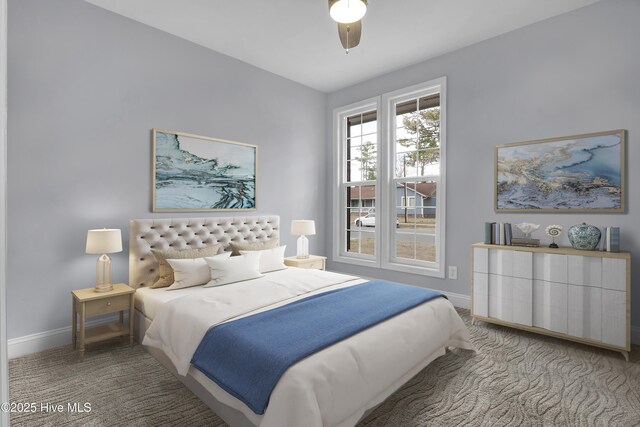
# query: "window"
{"type": "Point", "coordinates": [359, 184]}
{"type": "Point", "coordinates": [408, 202]}
{"type": "Point", "coordinates": [390, 191]}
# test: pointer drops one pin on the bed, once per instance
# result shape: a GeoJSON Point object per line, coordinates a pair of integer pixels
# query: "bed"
{"type": "Point", "coordinates": [336, 386]}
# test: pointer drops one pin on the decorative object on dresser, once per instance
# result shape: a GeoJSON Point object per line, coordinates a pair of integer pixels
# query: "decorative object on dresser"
{"type": "Point", "coordinates": [527, 228]}
{"type": "Point", "coordinates": [104, 241]}
{"type": "Point", "coordinates": [312, 262]}
{"type": "Point", "coordinates": [584, 237]}
{"type": "Point", "coordinates": [553, 231]}
{"type": "Point", "coordinates": [580, 173]}
{"type": "Point", "coordinates": [582, 296]}
{"type": "Point", "coordinates": [194, 173]}
{"type": "Point", "coordinates": [303, 228]}
{"type": "Point", "coordinates": [87, 303]}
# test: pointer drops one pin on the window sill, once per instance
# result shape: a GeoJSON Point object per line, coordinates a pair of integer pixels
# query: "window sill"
{"type": "Point", "coordinates": [436, 271]}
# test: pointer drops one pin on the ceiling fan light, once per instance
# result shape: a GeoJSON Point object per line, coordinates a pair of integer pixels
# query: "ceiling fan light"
{"type": "Point", "coordinates": [348, 11]}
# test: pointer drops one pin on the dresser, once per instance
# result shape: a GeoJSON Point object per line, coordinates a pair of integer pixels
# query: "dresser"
{"type": "Point", "coordinates": [582, 296]}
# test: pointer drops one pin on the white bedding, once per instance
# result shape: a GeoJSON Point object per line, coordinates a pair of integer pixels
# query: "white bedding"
{"type": "Point", "coordinates": [148, 300]}
{"type": "Point", "coordinates": [335, 386]}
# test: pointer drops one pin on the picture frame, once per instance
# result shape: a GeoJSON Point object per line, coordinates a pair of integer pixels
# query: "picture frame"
{"type": "Point", "coordinates": [573, 174]}
{"type": "Point", "coordinates": [194, 173]}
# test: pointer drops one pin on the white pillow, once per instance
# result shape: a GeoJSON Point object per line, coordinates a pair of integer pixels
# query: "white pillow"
{"type": "Point", "coordinates": [191, 272]}
{"type": "Point", "coordinates": [270, 259]}
{"type": "Point", "coordinates": [234, 269]}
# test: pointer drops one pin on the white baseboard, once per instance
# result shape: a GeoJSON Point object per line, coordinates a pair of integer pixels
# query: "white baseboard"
{"type": "Point", "coordinates": [48, 339]}
{"type": "Point", "coordinates": [458, 300]}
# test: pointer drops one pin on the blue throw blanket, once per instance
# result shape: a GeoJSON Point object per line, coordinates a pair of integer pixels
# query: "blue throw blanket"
{"type": "Point", "coordinates": [247, 357]}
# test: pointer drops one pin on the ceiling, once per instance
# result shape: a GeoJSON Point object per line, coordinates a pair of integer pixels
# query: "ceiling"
{"type": "Point", "coordinates": [298, 40]}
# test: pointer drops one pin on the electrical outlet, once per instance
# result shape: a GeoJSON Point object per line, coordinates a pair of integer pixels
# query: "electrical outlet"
{"type": "Point", "coordinates": [453, 272]}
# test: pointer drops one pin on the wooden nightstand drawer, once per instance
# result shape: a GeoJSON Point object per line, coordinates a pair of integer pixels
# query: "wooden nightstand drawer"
{"type": "Point", "coordinates": [317, 264]}
{"type": "Point", "coordinates": [313, 262]}
{"type": "Point", "coordinates": [107, 305]}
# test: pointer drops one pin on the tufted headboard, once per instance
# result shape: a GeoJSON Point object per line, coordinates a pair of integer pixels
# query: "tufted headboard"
{"type": "Point", "coordinates": [183, 233]}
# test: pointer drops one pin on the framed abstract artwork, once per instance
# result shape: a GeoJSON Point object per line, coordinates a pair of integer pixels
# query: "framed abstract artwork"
{"type": "Point", "coordinates": [580, 173]}
{"type": "Point", "coordinates": [193, 173]}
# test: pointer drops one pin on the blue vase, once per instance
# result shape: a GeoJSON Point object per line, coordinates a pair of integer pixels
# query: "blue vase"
{"type": "Point", "coordinates": [584, 237]}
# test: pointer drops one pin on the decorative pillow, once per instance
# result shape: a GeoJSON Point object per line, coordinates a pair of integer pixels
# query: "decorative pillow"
{"type": "Point", "coordinates": [233, 269]}
{"type": "Point", "coordinates": [191, 272]}
{"type": "Point", "coordinates": [165, 271]}
{"type": "Point", "coordinates": [236, 247]}
{"type": "Point", "coordinates": [270, 259]}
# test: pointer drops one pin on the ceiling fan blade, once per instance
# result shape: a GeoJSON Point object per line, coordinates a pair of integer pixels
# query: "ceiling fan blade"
{"type": "Point", "coordinates": [350, 34]}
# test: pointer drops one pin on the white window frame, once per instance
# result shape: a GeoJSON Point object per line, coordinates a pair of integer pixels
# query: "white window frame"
{"type": "Point", "coordinates": [388, 259]}
{"type": "Point", "coordinates": [412, 202]}
{"type": "Point", "coordinates": [385, 184]}
{"type": "Point", "coordinates": [340, 253]}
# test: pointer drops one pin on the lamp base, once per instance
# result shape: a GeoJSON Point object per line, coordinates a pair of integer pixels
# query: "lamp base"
{"type": "Point", "coordinates": [103, 288]}
{"type": "Point", "coordinates": [103, 274]}
{"type": "Point", "coordinates": [302, 251]}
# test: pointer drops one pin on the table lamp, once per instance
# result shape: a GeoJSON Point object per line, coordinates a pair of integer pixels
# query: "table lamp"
{"type": "Point", "coordinates": [302, 228]}
{"type": "Point", "coordinates": [105, 241]}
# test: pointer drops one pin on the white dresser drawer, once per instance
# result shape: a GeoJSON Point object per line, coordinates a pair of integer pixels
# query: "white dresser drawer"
{"type": "Point", "coordinates": [481, 294]}
{"type": "Point", "coordinates": [614, 317]}
{"type": "Point", "coordinates": [614, 274]}
{"type": "Point", "coordinates": [522, 301]}
{"type": "Point", "coordinates": [584, 270]}
{"type": "Point", "coordinates": [481, 260]}
{"type": "Point", "coordinates": [584, 312]}
{"type": "Point", "coordinates": [550, 267]}
{"type": "Point", "coordinates": [550, 306]}
{"type": "Point", "coordinates": [501, 297]}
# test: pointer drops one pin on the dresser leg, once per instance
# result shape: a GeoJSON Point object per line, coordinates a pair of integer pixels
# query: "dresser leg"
{"type": "Point", "coordinates": [625, 354]}
{"type": "Point", "coordinates": [473, 321]}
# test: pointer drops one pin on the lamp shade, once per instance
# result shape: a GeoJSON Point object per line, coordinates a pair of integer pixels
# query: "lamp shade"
{"type": "Point", "coordinates": [303, 227]}
{"type": "Point", "coordinates": [347, 11]}
{"type": "Point", "coordinates": [104, 241]}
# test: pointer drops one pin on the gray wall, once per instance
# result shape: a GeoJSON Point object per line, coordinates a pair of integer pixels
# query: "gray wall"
{"type": "Point", "coordinates": [575, 73]}
{"type": "Point", "coordinates": [85, 88]}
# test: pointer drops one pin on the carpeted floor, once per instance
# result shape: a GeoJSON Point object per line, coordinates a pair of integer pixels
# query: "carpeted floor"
{"type": "Point", "coordinates": [515, 379]}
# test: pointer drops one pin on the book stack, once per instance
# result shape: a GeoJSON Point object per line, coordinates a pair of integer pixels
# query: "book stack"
{"type": "Point", "coordinates": [530, 243]}
{"type": "Point", "coordinates": [497, 233]}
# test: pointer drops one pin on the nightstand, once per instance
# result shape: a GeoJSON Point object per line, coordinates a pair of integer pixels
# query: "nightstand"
{"type": "Point", "coordinates": [314, 261]}
{"type": "Point", "coordinates": [88, 303]}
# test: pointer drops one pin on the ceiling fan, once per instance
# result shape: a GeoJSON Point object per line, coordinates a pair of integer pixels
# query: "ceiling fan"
{"type": "Point", "coordinates": [348, 14]}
